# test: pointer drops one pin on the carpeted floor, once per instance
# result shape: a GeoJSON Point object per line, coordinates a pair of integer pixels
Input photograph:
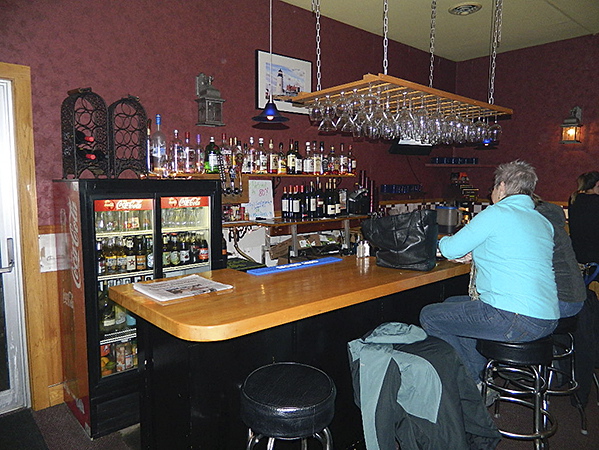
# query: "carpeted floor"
{"type": "Point", "coordinates": [55, 428]}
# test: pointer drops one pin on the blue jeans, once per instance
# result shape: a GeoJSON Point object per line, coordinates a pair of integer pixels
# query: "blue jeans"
{"type": "Point", "coordinates": [569, 309]}
{"type": "Point", "coordinates": [460, 321]}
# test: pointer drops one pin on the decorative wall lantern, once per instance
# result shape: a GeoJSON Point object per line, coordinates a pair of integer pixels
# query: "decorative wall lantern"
{"type": "Point", "coordinates": [210, 104]}
{"type": "Point", "coordinates": [571, 127]}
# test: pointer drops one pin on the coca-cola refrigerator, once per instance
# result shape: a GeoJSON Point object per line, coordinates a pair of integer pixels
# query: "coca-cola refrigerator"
{"type": "Point", "coordinates": [115, 232]}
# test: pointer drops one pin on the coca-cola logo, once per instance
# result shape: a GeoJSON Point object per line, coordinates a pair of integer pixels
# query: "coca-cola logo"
{"type": "Point", "coordinates": [129, 204]}
{"type": "Point", "coordinates": [190, 201]}
{"type": "Point", "coordinates": [109, 205]}
{"type": "Point", "coordinates": [75, 243]}
{"type": "Point", "coordinates": [172, 202]}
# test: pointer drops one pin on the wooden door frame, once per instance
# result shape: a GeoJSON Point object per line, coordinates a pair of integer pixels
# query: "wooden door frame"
{"type": "Point", "coordinates": [33, 289]}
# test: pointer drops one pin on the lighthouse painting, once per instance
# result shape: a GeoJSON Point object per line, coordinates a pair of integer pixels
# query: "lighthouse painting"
{"type": "Point", "coordinates": [284, 77]}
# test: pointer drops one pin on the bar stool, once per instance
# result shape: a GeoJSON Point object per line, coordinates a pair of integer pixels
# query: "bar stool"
{"type": "Point", "coordinates": [518, 371]}
{"type": "Point", "coordinates": [564, 351]}
{"type": "Point", "coordinates": [288, 401]}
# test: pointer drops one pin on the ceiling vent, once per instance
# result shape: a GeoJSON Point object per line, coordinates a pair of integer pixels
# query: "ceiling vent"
{"type": "Point", "coordinates": [465, 9]}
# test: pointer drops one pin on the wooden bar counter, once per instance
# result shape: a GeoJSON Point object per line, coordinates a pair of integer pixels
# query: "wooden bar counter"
{"type": "Point", "coordinates": [197, 352]}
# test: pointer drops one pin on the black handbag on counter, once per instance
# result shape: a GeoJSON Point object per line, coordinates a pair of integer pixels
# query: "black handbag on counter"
{"type": "Point", "coordinates": [405, 241]}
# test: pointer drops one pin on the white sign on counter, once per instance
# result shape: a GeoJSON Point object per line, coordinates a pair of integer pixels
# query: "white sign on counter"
{"type": "Point", "coordinates": [261, 203]}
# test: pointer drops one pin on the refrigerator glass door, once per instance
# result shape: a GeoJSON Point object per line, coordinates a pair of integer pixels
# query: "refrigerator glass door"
{"type": "Point", "coordinates": [124, 254]}
{"type": "Point", "coordinates": [185, 225]}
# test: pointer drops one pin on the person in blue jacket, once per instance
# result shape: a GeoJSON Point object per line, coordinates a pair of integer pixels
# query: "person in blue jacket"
{"type": "Point", "coordinates": [511, 247]}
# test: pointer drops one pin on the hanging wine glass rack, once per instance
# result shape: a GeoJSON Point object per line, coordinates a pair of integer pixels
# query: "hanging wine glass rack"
{"type": "Point", "coordinates": [391, 90]}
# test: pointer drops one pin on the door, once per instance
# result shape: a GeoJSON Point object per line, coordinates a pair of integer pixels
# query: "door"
{"type": "Point", "coordinates": [13, 373]}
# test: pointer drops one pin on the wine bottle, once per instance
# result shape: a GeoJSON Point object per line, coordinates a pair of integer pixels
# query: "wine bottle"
{"type": "Point", "coordinates": [158, 145]}
{"type": "Point", "coordinates": [285, 204]}
{"type": "Point", "coordinates": [351, 161]}
{"type": "Point", "coordinates": [320, 206]}
{"type": "Point", "coordinates": [84, 148]}
{"type": "Point", "coordinates": [295, 204]}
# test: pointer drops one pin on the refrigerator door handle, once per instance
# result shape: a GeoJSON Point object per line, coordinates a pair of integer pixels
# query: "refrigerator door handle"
{"type": "Point", "coordinates": [11, 256]}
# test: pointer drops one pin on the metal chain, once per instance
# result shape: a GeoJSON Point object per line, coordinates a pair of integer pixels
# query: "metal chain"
{"type": "Point", "coordinates": [432, 47]}
{"type": "Point", "coordinates": [495, 40]}
{"type": "Point", "coordinates": [385, 35]}
{"type": "Point", "coordinates": [316, 10]}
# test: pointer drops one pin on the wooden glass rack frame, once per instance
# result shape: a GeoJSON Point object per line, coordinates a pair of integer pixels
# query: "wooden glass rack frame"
{"type": "Point", "coordinates": [386, 86]}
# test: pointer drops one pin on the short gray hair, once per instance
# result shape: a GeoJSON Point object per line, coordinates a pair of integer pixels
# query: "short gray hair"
{"type": "Point", "coordinates": [519, 177]}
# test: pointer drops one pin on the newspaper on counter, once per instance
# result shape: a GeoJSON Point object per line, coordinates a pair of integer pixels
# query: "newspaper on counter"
{"type": "Point", "coordinates": [177, 288]}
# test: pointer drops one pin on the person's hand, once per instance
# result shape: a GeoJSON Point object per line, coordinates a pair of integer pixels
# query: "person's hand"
{"type": "Point", "coordinates": [464, 259]}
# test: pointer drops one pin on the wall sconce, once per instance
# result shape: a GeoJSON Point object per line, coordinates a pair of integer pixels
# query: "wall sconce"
{"type": "Point", "coordinates": [210, 104]}
{"type": "Point", "coordinates": [571, 127]}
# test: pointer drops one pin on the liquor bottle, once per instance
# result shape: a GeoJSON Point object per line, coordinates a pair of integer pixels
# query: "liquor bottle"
{"type": "Point", "coordinates": [299, 160]}
{"type": "Point", "coordinates": [332, 162]}
{"type": "Point", "coordinates": [247, 161]}
{"type": "Point", "coordinates": [290, 159]}
{"type": "Point", "coordinates": [149, 164]}
{"type": "Point", "coordinates": [282, 169]}
{"type": "Point", "coordinates": [159, 157]}
{"type": "Point", "coordinates": [174, 250]}
{"type": "Point", "coordinates": [150, 253]}
{"type": "Point", "coordinates": [285, 204]}
{"type": "Point", "coordinates": [130, 255]}
{"type": "Point", "coordinates": [308, 160]}
{"type": "Point", "coordinates": [166, 251]}
{"type": "Point", "coordinates": [141, 255]}
{"type": "Point", "coordinates": [251, 156]}
{"type": "Point", "coordinates": [212, 154]}
{"type": "Point", "coordinates": [323, 159]}
{"type": "Point", "coordinates": [273, 159]}
{"type": "Point", "coordinates": [184, 249]}
{"type": "Point", "coordinates": [190, 154]}
{"type": "Point", "coordinates": [100, 258]}
{"type": "Point", "coordinates": [204, 252]}
{"type": "Point", "coordinates": [226, 151]}
{"type": "Point", "coordinates": [261, 158]}
{"type": "Point", "coordinates": [351, 161]}
{"type": "Point", "coordinates": [318, 160]}
{"type": "Point", "coordinates": [343, 159]}
{"type": "Point", "coordinates": [200, 156]}
{"type": "Point", "coordinates": [177, 152]}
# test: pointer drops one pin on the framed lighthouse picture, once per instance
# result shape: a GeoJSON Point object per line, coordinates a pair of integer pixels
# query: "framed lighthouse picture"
{"type": "Point", "coordinates": [281, 76]}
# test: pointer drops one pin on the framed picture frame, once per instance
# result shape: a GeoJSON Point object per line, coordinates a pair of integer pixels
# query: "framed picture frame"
{"type": "Point", "coordinates": [287, 76]}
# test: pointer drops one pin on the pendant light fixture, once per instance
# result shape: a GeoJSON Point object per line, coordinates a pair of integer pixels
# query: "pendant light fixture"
{"type": "Point", "coordinates": [270, 114]}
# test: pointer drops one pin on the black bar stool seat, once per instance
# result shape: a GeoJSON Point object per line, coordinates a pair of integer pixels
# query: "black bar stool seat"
{"type": "Point", "coordinates": [288, 401]}
{"type": "Point", "coordinates": [519, 371]}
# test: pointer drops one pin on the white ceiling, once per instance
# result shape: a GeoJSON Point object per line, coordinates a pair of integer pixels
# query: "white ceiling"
{"type": "Point", "coordinates": [526, 23]}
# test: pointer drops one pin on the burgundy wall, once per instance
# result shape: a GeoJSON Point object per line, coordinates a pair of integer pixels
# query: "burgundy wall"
{"type": "Point", "coordinates": [542, 84]}
{"type": "Point", "coordinates": [154, 49]}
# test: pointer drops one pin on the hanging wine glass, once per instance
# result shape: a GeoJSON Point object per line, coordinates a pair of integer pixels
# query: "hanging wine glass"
{"type": "Point", "coordinates": [341, 105]}
{"type": "Point", "coordinates": [420, 115]}
{"type": "Point", "coordinates": [435, 125]}
{"type": "Point", "coordinates": [479, 130]}
{"type": "Point", "coordinates": [406, 121]}
{"type": "Point", "coordinates": [387, 124]}
{"type": "Point", "coordinates": [315, 111]}
{"type": "Point", "coordinates": [327, 125]}
{"type": "Point", "coordinates": [494, 131]}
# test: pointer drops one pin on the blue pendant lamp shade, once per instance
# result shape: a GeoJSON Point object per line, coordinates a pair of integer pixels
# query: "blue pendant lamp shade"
{"type": "Point", "coordinates": [270, 114]}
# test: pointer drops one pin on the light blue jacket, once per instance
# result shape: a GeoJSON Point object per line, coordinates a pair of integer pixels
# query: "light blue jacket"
{"type": "Point", "coordinates": [512, 248]}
